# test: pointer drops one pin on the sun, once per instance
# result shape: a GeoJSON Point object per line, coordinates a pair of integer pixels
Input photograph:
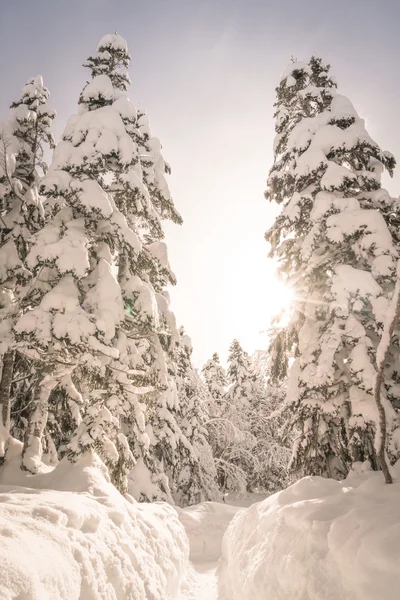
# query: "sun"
{"type": "Point", "coordinates": [280, 298]}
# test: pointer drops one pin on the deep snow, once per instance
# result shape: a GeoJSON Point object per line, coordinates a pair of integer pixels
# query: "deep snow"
{"type": "Point", "coordinates": [205, 525]}
{"type": "Point", "coordinates": [319, 539]}
{"type": "Point", "coordinates": [69, 535]}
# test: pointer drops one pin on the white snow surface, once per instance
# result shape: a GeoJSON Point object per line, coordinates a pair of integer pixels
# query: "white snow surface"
{"type": "Point", "coordinates": [205, 525]}
{"type": "Point", "coordinates": [68, 534]}
{"type": "Point", "coordinates": [319, 539]}
{"type": "Point", "coordinates": [112, 40]}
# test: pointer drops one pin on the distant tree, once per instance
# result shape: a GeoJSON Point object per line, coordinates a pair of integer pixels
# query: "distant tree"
{"type": "Point", "coordinates": [273, 441]}
{"type": "Point", "coordinates": [242, 379]}
{"type": "Point", "coordinates": [216, 380]}
{"type": "Point", "coordinates": [230, 426]}
{"type": "Point", "coordinates": [196, 478]}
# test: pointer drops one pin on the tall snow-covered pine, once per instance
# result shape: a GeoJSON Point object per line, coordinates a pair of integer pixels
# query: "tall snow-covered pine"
{"type": "Point", "coordinates": [334, 244]}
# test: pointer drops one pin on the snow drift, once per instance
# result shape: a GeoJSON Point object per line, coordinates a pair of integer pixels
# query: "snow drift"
{"type": "Point", "coordinates": [69, 535]}
{"type": "Point", "coordinates": [319, 539]}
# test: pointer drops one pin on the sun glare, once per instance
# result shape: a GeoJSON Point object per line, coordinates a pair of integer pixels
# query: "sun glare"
{"type": "Point", "coordinates": [280, 297]}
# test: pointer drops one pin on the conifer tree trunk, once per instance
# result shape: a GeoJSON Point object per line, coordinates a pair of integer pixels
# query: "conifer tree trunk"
{"type": "Point", "coordinates": [393, 318]}
{"type": "Point", "coordinates": [32, 450]}
{"type": "Point", "coordinates": [5, 390]}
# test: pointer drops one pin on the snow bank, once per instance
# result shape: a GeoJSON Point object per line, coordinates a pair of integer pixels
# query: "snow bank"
{"type": "Point", "coordinates": [68, 534]}
{"type": "Point", "coordinates": [319, 539]}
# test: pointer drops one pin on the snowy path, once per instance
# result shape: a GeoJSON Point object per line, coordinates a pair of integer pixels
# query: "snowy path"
{"type": "Point", "coordinates": [205, 525]}
{"type": "Point", "coordinates": [202, 584]}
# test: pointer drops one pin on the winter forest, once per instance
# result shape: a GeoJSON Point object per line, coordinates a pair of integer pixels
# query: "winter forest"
{"type": "Point", "coordinates": [127, 469]}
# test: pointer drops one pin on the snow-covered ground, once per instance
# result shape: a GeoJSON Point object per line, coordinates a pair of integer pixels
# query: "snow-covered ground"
{"type": "Point", "coordinates": [319, 539]}
{"type": "Point", "coordinates": [205, 525]}
{"type": "Point", "coordinates": [68, 534]}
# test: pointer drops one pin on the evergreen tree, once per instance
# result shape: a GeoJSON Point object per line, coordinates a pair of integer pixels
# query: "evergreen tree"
{"type": "Point", "coordinates": [78, 305]}
{"type": "Point", "coordinates": [230, 431]}
{"type": "Point", "coordinates": [333, 240]}
{"type": "Point", "coordinates": [272, 448]}
{"type": "Point", "coordinates": [23, 137]}
{"type": "Point", "coordinates": [196, 477]}
{"type": "Point", "coordinates": [215, 378]}
{"type": "Point", "coordinates": [107, 180]}
{"type": "Point", "coordinates": [141, 193]}
{"type": "Point", "coordinates": [242, 378]}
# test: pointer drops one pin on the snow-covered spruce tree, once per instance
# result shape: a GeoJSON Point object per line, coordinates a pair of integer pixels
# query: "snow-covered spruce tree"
{"type": "Point", "coordinates": [195, 479]}
{"type": "Point", "coordinates": [333, 240]}
{"type": "Point", "coordinates": [148, 338]}
{"type": "Point", "coordinates": [23, 136]}
{"type": "Point", "coordinates": [241, 377]}
{"type": "Point", "coordinates": [215, 377]}
{"type": "Point", "coordinates": [77, 305]}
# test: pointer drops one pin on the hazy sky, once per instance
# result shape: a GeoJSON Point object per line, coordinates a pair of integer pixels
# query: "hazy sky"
{"type": "Point", "coordinates": [206, 71]}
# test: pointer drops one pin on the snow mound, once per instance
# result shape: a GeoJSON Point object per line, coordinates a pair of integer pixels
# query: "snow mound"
{"type": "Point", "coordinates": [319, 539]}
{"type": "Point", "coordinates": [68, 534]}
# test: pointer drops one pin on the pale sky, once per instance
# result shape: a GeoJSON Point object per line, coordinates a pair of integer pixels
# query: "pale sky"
{"type": "Point", "coordinates": [206, 71]}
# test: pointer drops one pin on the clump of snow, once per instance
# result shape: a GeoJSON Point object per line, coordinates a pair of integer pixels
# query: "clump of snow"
{"type": "Point", "coordinates": [319, 539]}
{"type": "Point", "coordinates": [114, 41]}
{"type": "Point", "coordinates": [99, 87]}
{"type": "Point", "coordinates": [293, 67]}
{"type": "Point", "coordinates": [68, 534]}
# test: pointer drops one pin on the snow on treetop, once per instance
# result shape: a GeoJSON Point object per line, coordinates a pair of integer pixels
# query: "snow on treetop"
{"type": "Point", "coordinates": [324, 134]}
{"type": "Point", "coordinates": [113, 41]}
{"type": "Point", "coordinates": [293, 67]}
{"type": "Point", "coordinates": [35, 87]}
{"type": "Point", "coordinates": [99, 87]}
{"type": "Point", "coordinates": [93, 132]}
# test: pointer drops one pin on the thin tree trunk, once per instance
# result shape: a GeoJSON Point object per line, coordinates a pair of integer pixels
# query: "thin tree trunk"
{"type": "Point", "coordinates": [33, 449]}
{"type": "Point", "coordinates": [382, 427]}
{"type": "Point", "coordinates": [382, 354]}
{"type": "Point", "coordinates": [5, 400]}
